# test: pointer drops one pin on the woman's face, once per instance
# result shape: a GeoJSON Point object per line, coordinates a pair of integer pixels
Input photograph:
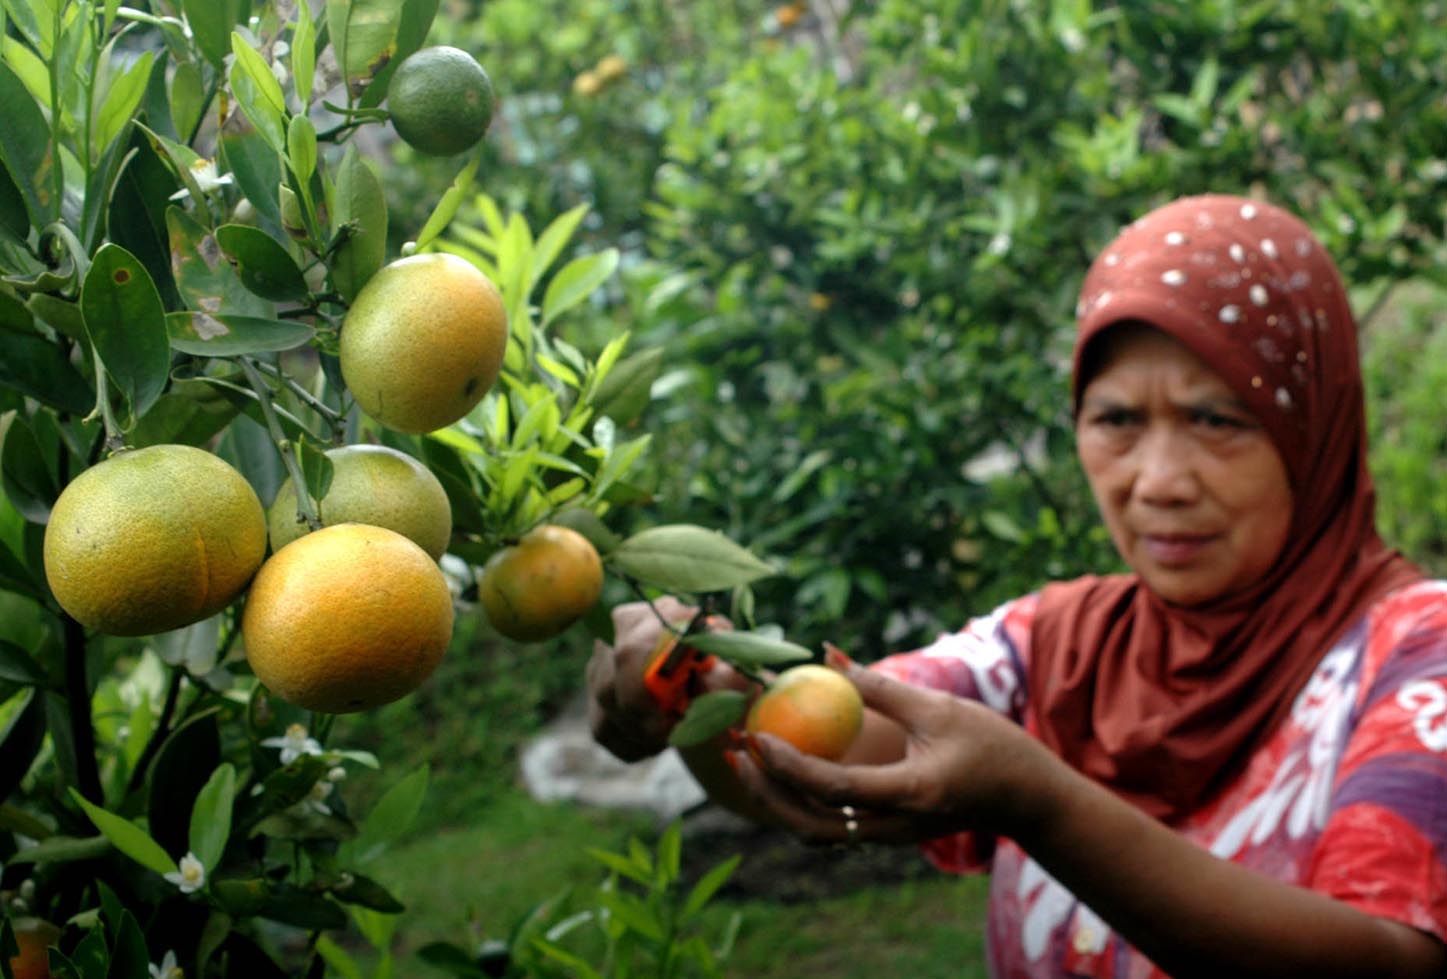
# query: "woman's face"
{"type": "Point", "coordinates": [1195, 494]}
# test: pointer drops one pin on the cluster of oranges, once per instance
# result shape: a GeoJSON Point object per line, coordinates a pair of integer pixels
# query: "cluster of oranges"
{"type": "Point", "coordinates": [357, 613]}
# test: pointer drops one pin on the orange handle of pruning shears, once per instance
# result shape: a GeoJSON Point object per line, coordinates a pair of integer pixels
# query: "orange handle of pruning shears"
{"type": "Point", "coordinates": [670, 675]}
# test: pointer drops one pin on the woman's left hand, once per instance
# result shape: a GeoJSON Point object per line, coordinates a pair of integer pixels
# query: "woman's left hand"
{"type": "Point", "coordinates": [965, 767]}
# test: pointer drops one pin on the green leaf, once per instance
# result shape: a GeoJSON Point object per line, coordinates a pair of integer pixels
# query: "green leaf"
{"type": "Point", "coordinates": [412, 28]}
{"type": "Point", "coordinates": [301, 148]}
{"type": "Point", "coordinates": [391, 816]}
{"type": "Point", "coordinates": [366, 892]}
{"type": "Point", "coordinates": [62, 849]}
{"type": "Point", "coordinates": [340, 961]}
{"type": "Point", "coordinates": [625, 391]}
{"type": "Point", "coordinates": [186, 91]}
{"type": "Point", "coordinates": [190, 413]}
{"type": "Point", "coordinates": [264, 264]}
{"type": "Point", "coordinates": [576, 281]}
{"type": "Point", "coordinates": [21, 736]}
{"type": "Point", "coordinates": [17, 666]}
{"type": "Point", "coordinates": [231, 336]}
{"type": "Point", "coordinates": [452, 959]}
{"type": "Point", "coordinates": [211, 816]}
{"type": "Point", "coordinates": [211, 22]}
{"type": "Point", "coordinates": [447, 205]}
{"type": "Point", "coordinates": [126, 836]}
{"type": "Point", "coordinates": [364, 36]}
{"type": "Point", "coordinates": [26, 473]}
{"type": "Point", "coordinates": [554, 238]}
{"type": "Point", "coordinates": [258, 92]}
{"type": "Point", "coordinates": [14, 218]}
{"type": "Point", "coordinates": [707, 886]}
{"type": "Point", "coordinates": [637, 872]}
{"type": "Point", "coordinates": [316, 468]}
{"type": "Point", "coordinates": [39, 369]}
{"type": "Point", "coordinates": [749, 649]}
{"type": "Point", "coordinates": [632, 913]}
{"type": "Point", "coordinates": [687, 558]}
{"type": "Point", "coordinates": [27, 150]}
{"type": "Point", "coordinates": [304, 53]}
{"type": "Point", "coordinates": [122, 97]}
{"type": "Point", "coordinates": [257, 169]}
{"type": "Point", "coordinates": [128, 957]}
{"type": "Point", "coordinates": [126, 323]}
{"type": "Point", "coordinates": [709, 716]}
{"type": "Point", "coordinates": [360, 204]}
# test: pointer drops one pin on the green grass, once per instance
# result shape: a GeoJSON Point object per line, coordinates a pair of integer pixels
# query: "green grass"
{"type": "Point", "coordinates": [468, 884]}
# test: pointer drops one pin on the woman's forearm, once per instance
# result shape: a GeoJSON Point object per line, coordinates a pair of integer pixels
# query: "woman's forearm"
{"type": "Point", "coordinates": [1194, 914]}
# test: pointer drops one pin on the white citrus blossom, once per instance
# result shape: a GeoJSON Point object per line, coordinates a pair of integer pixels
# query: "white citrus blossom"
{"type": "Point", "coordinates": [294, 743]}
{"type": "Point", "coordinates": [168, 969]}
{"type": "Point", "coordinates": [189, 874]}
{"type": "Point", "coordinates": [203, 171]}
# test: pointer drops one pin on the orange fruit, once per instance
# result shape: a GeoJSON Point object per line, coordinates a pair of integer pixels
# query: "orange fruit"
{"type": "Point", "coordinates": [423, 342]}
{"type": "Point", "coordinates": [153, 539]}
{"type": "Point", "coordinates": [610, 68]}
{"type": "Point", "coordinates": [536, 588]}
{"type": "Point", "coordinates": [441, 101]}
{"type": "Point", "coordinates": [788, 15]}
{"type": "Point", "coordinates": [814, 708]}
{"type": "Point", "coordinates": [347, 618]}
{"type": "Point", "coordinates": [376, 485]}
{"type": "Point", "coordinates": [34, 936]}
{"type": "Point", "coordinates": [587, 83]}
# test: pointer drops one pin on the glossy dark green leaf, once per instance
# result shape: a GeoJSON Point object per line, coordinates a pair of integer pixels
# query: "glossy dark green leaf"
{"type": "Point", "coordinates": [16, 577]}
{"type": "Point", "coordinates": [191, 413]}
{"type": "Point", "coordinates": [709, 716]}
{"type": "Point", "coordinates": [257, 169]}
{"type": "Point", "coordinates": [211, 22]}
{"type": "Point", "coordinates": [128, 955]}
{"type": "Point", "coordinates": [390, 817]}
{"type": "Point", "coordinates": [126, 322]}
{"type": "Point", "coordinates": [136, 212]}
{"type": "Point", "coordinates": [265, 266]}
{"type": "Point", "coordinates": [59, 314]}
{"type": "Point", "coordinates": [301, 909]}
{"type": "Point", "coordinates": [452, 959]}
{"type": "Point", "coordinates": [20, 740]}
{"type": "Point", "coordinates": [207, 281]}
{"type": "Point", "coordinates": [14, 218]}
{"type": "Point", "coordinates": [17, 665]}
{"type": "Point", "coordinates": [186, 760]}
{"type": "Point", "coordinates": [39, 369]}
{"type": "Point", "coordinates": [687, 558]}
{"type": "Point", "coordinates": [90, 959]}
{"type": "Point", "coordinates": [28, 476]}
{"type": "Point", "coordinates": [187, 90]}
{"type": "Point", "coordinates": [360, 206]}
{"type": "Point", "coordinates": [230, 335]}
{"type": "Point", "coordinates": [26, 149]}
{"type": "Point", "coordinates": [364, 891]}
{"type": "Point", "coordinates": [363, 33]}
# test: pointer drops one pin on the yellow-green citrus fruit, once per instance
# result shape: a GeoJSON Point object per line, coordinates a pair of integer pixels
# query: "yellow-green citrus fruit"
{"type": "Point", "coordinates": [153, 539]}
{"type": "Point", "coordinates": [423, 342]}
{"type": "Point", "coordinates": [536, 588]}
{"type": "Point", "coordinates": [347, 618]}
{"type": "Point", "coordinates": [440, 100]}
{"type": "Point", "coordinates": [812, 707]}
{"type": "Point", "coordinates": [376, 485]}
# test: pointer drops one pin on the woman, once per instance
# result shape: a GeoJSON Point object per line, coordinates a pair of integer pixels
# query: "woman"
{"type": "Point", "coordinates": [1231, 761]}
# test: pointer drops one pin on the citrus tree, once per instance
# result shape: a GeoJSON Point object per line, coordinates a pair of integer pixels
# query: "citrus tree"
{"type": "Point", "coordinates": [255, 463]}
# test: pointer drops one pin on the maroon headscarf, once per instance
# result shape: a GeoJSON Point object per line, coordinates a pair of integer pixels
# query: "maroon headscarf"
{"type": "Point", "coordinates": [1163, 703]}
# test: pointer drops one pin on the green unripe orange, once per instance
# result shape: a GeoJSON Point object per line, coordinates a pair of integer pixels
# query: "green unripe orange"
{"type": "Point", "coordinates": [440, 100]}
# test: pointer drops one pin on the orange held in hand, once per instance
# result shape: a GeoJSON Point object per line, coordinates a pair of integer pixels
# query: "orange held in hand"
{"type": "Point", "coordinates": [814, 708]}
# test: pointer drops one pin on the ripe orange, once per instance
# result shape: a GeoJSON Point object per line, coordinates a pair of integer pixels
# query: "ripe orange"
{"type": "Point", "coordinates": [347, 618]}
{"type": "Point", "coordinates": [153, 539]}
{"type": "Point", "coordinates": [611, 67]}
{"type": "Point", "coordinates": [812, 707]}
{"type": "Point", "coordinates": [440, 100]}
{"type": "Point", "coordinates": [423, 342]}
{"type": "Point", "coordinates": [376, 485]}
{"type": "Point", "coordinates": [34, 936]}
{"type": "Point", "coordinates": [544, 583]}
{"type": "Point", "coordinates": [789, 14]}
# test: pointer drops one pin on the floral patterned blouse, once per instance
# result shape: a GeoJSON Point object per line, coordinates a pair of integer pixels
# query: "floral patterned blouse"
{"type": "Point", "coordinates": [1348, 798]}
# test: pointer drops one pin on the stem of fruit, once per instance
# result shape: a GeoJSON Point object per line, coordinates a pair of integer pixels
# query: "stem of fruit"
{"type": "Point", "coordinates": [305, 507]}
{"type": "Point", "coordinates": [329, 414]}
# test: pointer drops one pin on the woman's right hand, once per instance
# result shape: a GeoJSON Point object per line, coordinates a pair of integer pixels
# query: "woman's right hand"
{"type": "Point", "coordinates": [624, 716]}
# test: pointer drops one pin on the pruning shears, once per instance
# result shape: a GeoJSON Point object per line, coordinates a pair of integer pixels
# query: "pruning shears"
{"type": "Point", "coordinates": [670, 675]}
